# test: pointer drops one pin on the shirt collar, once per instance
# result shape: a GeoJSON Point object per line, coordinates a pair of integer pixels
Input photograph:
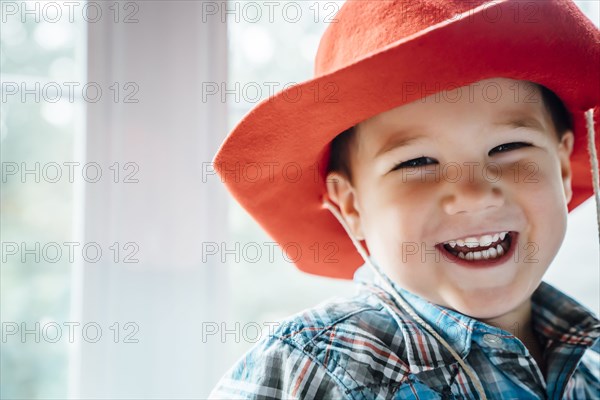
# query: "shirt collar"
{"type": "Point", "coordinates": [555, 316]}
{"type": "Point", "coordinates": [423, 351]}
{"type": "Point", "coordinates": [558, 317]}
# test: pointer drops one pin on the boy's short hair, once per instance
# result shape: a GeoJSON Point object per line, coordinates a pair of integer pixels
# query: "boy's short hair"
{"type": "Point", "coordinates": [339, 159]}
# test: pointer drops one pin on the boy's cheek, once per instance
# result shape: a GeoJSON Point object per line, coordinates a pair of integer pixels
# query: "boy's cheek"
{"type": "Point", "coordinates": [521, 172]}
{"type": "Point", "coordinates": [539, 178]}
{"type": "Point", "coordinates": [408, 194]}
{"type": "Point", "coordinates": [398, 254]}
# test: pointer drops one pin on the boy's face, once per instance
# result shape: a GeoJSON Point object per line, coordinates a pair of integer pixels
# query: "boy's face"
{"type": "Point", "coordinates": [461, 183]}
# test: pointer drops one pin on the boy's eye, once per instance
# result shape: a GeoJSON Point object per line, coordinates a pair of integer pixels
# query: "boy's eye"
{"type": "Point", "coordinates": [507, 147]}
{"type": "Point", "coordinates": [415, 162]}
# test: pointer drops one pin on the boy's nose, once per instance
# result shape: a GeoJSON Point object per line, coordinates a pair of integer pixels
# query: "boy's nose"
{"type": "Point", "coordinates": [472, 194]}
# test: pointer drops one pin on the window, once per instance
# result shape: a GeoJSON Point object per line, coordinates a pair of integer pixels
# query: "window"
{"type": "Point", "coordinates": [39, 124]}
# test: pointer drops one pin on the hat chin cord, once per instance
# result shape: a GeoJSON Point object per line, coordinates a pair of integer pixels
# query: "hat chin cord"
{"type": "Point", "coordinates": [388, 284]}
{"type": "Point", "coordinates": [589, 115]}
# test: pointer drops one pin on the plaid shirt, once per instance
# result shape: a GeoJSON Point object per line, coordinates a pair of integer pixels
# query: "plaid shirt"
{"type": "Point", "coordinates": [367, 347]}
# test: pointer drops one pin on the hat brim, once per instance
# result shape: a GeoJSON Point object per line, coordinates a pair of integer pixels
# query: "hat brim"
{"type": "Point", "coordinates": [274, 161]}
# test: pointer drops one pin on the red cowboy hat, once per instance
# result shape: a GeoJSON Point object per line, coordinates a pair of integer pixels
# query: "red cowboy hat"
{"type": "Point", "coordinates": [274, 162]}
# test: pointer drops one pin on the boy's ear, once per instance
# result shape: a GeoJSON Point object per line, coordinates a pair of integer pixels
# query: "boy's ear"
{"type": "Point", "coordinates": [342, 193]}
{"type": "Point", "coordinates": [565, 148]}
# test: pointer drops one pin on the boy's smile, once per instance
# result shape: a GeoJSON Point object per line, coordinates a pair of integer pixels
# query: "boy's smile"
{"type": "Point", "coordinates": [480, 251]}
{"type": "Point", "coordinates": [461, 197]}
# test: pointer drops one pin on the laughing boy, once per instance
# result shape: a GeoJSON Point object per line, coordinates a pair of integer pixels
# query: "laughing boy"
{"type": "Point", "coordinates": [445, 161]}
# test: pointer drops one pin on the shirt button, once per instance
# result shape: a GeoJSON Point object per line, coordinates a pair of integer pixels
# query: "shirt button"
{"type": "Point", "coordinates": [492, 340]}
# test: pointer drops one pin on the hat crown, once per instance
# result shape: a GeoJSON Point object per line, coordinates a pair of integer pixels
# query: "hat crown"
{"type": "Point", "coordinates": [363, 27]}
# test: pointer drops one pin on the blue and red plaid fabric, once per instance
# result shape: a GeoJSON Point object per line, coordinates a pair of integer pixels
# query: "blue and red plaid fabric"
{"type": "Point", "coordinates": [367, 347]}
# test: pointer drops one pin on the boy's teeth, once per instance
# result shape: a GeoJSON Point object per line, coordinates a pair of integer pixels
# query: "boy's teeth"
{"type": "Point", "coordinates": [500, 250]}
{"type": "Point", "coordinates": [473, 242]}
{"type": "Point", "coordinates": [493, 251]}
{"type": "Point", "coordinates": [486, 240]}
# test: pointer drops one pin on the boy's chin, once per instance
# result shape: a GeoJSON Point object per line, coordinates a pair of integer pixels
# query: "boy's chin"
{"type": "Point", "coordinates": [488, 303]}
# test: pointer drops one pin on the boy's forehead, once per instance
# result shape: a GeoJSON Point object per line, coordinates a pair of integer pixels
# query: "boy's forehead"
{"type": "Point", "coordinates": [497, 102]}
{"type": "Point", "coordinates": [491, 93]}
